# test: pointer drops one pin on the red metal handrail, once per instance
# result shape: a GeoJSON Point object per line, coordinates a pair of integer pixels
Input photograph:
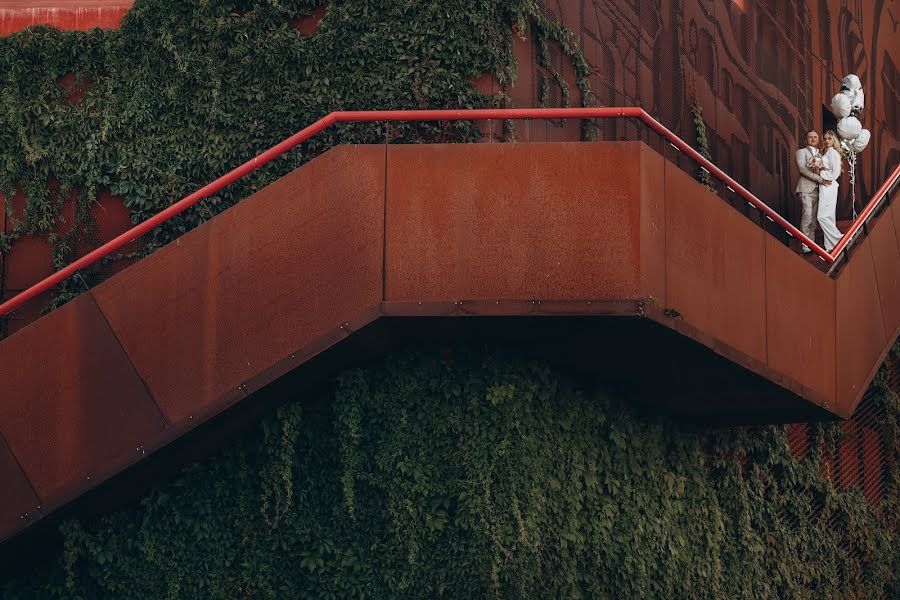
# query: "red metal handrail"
{"type": "Point", "coordinates": [427, 115]}
{"type": "Point", "coordinates": [870, 208]}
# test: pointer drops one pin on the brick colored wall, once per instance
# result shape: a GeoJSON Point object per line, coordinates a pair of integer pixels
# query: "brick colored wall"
{"type": "Point", "coordinates": [78, 15]}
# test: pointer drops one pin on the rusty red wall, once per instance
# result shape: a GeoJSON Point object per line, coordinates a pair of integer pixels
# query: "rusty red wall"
{"type": "Point", "coordinates": [493, 222]}
{"type": "Point", "coordinates": [79, 15]}
{"type": "Point", "coordinates": [761, 70]}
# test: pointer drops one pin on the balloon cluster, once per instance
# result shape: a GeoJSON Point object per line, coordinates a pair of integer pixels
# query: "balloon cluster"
{"type": "Point", "coordinates": [846, 106]}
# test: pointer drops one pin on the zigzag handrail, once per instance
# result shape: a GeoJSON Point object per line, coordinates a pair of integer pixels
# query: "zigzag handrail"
{"type": "Point", "coordinates": [443, 115]}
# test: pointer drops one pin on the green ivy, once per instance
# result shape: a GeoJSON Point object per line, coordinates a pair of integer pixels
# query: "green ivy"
{"type": "Point", "coordinates": [703, 176]}
{"type": "Point", "coordinates": [186, 90]}
{"type": "Point", "coordinates": [487, 476]}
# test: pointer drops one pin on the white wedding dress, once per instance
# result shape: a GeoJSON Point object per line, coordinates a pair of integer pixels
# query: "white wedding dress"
{"type": "Point", "coordinates": [828, 194]}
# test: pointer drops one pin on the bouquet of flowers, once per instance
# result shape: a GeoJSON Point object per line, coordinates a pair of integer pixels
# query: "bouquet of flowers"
{"type": "Point", "coordinates": [814, 164]}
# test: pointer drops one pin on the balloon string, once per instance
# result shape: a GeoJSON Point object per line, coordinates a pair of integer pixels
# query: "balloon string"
{"type": "Point", "coordinates": [851, 158]}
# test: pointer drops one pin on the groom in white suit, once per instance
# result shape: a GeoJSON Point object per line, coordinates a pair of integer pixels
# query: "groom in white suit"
{"type": "Point", "coordinates": [808, 187]}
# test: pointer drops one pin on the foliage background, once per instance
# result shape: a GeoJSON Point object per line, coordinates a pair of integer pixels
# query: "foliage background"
{"type": "Point", "coordinates": [485, 475]}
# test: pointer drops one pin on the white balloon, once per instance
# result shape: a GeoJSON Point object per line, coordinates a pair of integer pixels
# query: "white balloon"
{"type": "Point", "coordinates": [861, 141]}
{"type": "Point", "coordinates": [851, 82]}
{"type": "Point", "coordinates": [859, 101]}
{"type": "Point", "coordinates": [841, 105]}
{"type": "Point", "coordinates": [848, 128]}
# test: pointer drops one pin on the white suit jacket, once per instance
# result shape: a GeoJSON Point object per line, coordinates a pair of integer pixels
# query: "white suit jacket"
{"type": "Point", "coordinates": [809, 181]}
{"type": "Point", "coordinates": [832, 167]}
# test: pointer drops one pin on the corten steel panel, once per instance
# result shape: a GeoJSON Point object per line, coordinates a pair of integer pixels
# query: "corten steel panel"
{"type": "Point", "coordinates": [73, 406]}
{"type": "Point", "coordinates": [247, 289]}
{"type": "Point", "coordinates": [18, 499]}
{"type": "Point", "coordinates": [27, 313]}
{"type": "Point", "coordinates": [523, 221]}
{"type": "Point", "coordinates": [653, 225]}
{"type": "Point", "coordinates": [29, 260]}
{"type": "Point", "coordinates": [886, 256]}
{"type": "Point", "coordinates": [860, 327]}
{"type": "Point", "coordinates": [895, 211]}
{"type": "Point", "coordinates": [715, 266]}
{"type": "Point", "coordinates": [800, 321]}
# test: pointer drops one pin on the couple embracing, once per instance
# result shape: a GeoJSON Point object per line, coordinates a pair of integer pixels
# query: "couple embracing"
{"type": "Point", "coordinates": [818, 187]}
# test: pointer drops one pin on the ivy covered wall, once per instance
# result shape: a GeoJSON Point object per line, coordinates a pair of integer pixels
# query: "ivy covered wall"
{"type": "Point", "coordinates": [184, 91]}
{"type": "Point", "coordinates": [486, 476]}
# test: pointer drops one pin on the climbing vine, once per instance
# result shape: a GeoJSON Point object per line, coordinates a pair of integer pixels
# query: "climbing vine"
{"type": "Point", "coordinates": [483, 475]}
{"type": "Point", "coordinates": [184, 91]}
{"type": "Point", "coordinates": [547, 32]}
{"type": "Point", "coordinates": [703, 176]}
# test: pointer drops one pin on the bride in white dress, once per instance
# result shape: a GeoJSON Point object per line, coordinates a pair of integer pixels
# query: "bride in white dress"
{"type": "Point", "coordinates": [831, 170]}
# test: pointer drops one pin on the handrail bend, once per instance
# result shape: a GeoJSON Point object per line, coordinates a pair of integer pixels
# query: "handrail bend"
{"type": "Point", "coordinates": [436, 115]}
{"type": "Point", "coordinates": [867, 211]}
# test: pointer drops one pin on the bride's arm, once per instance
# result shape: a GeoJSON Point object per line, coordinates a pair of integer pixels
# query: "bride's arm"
{"type": "Point", "coordinates": [834, 160]}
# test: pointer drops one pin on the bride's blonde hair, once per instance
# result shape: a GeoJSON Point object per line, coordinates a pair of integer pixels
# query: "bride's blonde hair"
{"type": "Point", "coordinates": [837, 143]}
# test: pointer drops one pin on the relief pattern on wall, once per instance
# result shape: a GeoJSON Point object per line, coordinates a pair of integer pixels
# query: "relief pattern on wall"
{"type": "Point", "coordinates": [762, 71]}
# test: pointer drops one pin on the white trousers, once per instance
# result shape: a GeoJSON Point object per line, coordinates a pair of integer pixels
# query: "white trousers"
{"type": "Point", "coordinates": [826, 214]}
{"type": "Point", "coordinates": [810, 203]}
